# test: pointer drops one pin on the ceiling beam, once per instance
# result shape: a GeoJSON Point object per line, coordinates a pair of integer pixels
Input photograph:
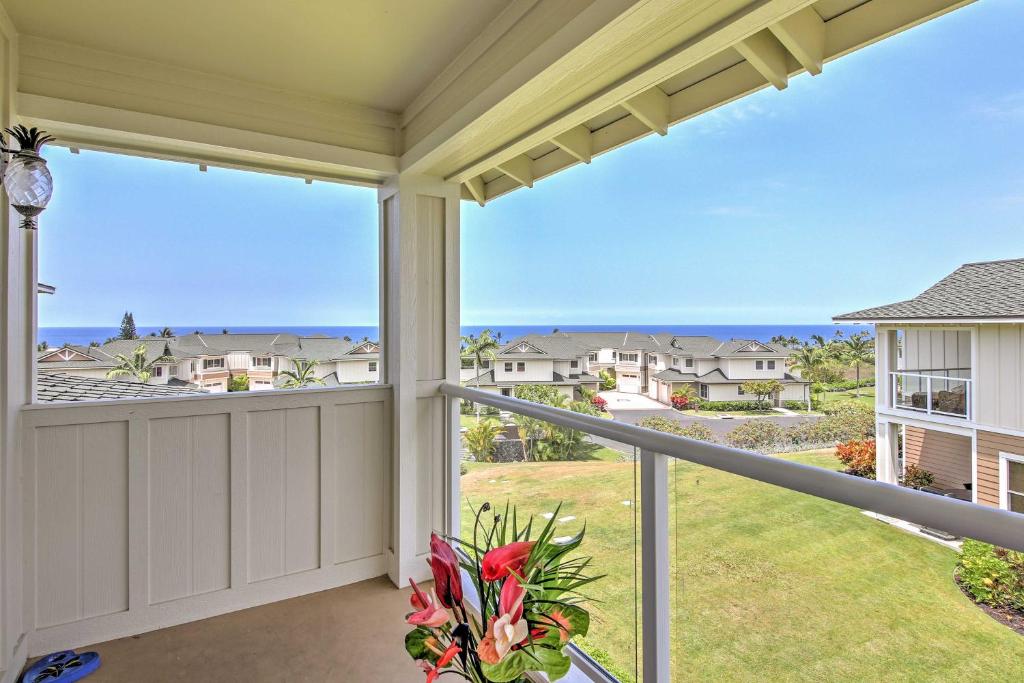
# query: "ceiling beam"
{"type": "Point", "coordinates": [476, 188]}
{"type": "Point", "coordinates": [803, 34]}
{"type": "Point", "coordinates": [651, 107]}
{"type": "Point", "coordinates": [766, 54]}
{"type": "Point", "coordinates": [520, 168]}
{"type": "Point", "coordinates": [577, 142]}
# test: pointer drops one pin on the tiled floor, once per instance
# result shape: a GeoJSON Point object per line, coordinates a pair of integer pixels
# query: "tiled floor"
{"type": "Point", "coordinates": [353, 634]}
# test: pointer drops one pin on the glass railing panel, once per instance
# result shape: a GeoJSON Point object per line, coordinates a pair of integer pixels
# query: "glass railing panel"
{"type": "Point", "coordinates": [572, 479]}
{"type": "Point", "coordinates": [944, 394]}
{"type": "Point", "coordinates": [770, 584]}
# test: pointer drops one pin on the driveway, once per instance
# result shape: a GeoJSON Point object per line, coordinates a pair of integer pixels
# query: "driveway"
{"type": "Point", "coordinates": [618, 400]}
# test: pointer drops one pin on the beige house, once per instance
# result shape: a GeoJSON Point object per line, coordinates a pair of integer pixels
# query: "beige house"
{"type": "Point", "coordinates": [950, 381]}
{"type": "Point", "coordinates": [559, 360]}
{"type": "Point", "coordinates": [209, 361]}
{"type": "Point", "coordinates": [172, 510]}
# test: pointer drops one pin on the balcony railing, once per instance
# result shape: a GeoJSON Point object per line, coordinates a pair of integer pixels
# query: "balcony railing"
{"type": "Point", "coordinates": [651, 498]}
{"type": "Point", "coordinates": [933, 391]}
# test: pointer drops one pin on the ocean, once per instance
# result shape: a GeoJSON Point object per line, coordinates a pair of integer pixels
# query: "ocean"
{"type": "Point", "coordinates": [58, 336]}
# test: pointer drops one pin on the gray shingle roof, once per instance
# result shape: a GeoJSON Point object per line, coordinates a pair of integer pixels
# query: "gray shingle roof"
{"type": "Point", "coordinates": [59, 387]}
{"type": "Point", "coordinates": [738, 348]}
{"type": "Point", "coordinates": [715, 377]}
{"type": "Point", "coordinates": [989, 289]}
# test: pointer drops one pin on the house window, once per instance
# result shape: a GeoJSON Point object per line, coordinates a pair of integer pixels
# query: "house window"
{"type": "Point", "coordinates": [506, 392]}
{"type": "Point", "coordinates": [261, 362]}
{"type": "Point", "coordinates": [615, 355]}
{"type": "Point", "coordinates": [521, 366]}
{"type": "Point", "coordinates": [262, 382]}
{"type": "Point", "coordinates": [485, 364]}
{"type": "Point", "coordinates": [689, 362]}
{"type": "Point", "coordinates": [629, 357]}
{"type": "Point", "coordinates": [739, 391]}
{"type": "Point", "coordinates": [193, 366]}
{"type": "Point", "coordinates": [173, 371]}
{"type": "Point", "coordinates": [574, 364]}
{"type": "Point", "coordinates": [704, 391]}
{"type": "Point", "coordinates": [675, 361]}
{"type": "Point", "coordinates": [212, 363]}
{"type": "Point", "coordinates": [592, 357]}
{"type": "Point", "coordinates": [771, 365]}
{"type": "Point", "coordinates": [373, 366]}
{"type": "Point", "coordinates": [158, 371]}
{"type": "Point", "coordinates": [759, 365]}
{"type": "Point", "coordinates": [1013, 482]}
{"type": "Point", "coordinates": [508, 367]}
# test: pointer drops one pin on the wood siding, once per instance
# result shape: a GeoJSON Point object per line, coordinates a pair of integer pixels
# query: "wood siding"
{"type": "Point", "coordinates": [947, 456]}
{"type": "Point", "coordinates": [142, 514]}
{"type": "Point", "coordinates": [990, 445]}
{"type": "Point", "coordinates": [999, 377]}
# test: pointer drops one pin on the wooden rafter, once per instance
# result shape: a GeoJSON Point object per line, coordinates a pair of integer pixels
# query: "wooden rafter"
{"type": "Point", "coordinates": [766, 54]}
{"type": "Point", "coordinates": [651, 107]}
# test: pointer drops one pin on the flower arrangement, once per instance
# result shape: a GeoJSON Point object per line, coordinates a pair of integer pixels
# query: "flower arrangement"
{"type": "Point", "coordinates": [529, 602]}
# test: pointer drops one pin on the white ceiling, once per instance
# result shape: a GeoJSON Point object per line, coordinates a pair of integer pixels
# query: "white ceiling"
{"type": "Point", "coordinates": [376, 53]}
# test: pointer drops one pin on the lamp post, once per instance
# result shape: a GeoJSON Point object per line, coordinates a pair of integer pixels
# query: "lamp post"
{"type": "Point", "coordinates": [26, 178]}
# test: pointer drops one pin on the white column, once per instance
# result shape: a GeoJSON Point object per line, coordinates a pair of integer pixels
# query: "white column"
{"type": "Point", "coordinates": [656, 567]}
{"type": "Point", "coordinates": [885, 362]}
{"type": "Point", "coordinates": [887, 452]}
{"type": "Point", "coordinates": [419, 218]}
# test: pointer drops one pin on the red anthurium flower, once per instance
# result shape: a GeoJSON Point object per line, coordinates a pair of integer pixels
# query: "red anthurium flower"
{"type": "Point", "coordinates": [445, 566]}
{"type": "Point", "coordinates": [433, 672]}
{"type": "Point", "coordinates": [497, 563]}
{"type": "Point", "coordinates": [431, 615]}
{"type": "Point", "coordinates": [511, 600]}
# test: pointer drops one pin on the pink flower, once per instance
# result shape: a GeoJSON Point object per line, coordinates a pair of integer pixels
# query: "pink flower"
{"type": "Point", "coordinates": [511, 599]}
{"type": "Point", "coordinates": [487, 650]}
{"type": "Point", "coordinates": [428, 614]}
{"type": "Point", "coordinates": [445, 567]}
{"type": "Point", "coordinates": [433, 672]}
{"type": "Point", "coordinates": [499, 562]}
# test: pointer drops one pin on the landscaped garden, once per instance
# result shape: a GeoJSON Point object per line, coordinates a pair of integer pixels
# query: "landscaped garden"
{"type": "Point", "coordinates": [768, 584]}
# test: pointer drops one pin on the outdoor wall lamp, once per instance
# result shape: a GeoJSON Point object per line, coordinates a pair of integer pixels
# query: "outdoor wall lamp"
{"type": "Point", "coordinates": [28, 182]}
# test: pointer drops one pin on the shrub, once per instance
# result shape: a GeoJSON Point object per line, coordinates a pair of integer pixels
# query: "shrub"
{"type": "Point", "coordinates": [479, 439]}
{"type": "Point", "coordinates": [915, 477]}
{"type": "Point", "coordinates": [599, 403]}
{"type": "Point", "coordinates": [757, 435]}
{"type": "Point", "coordinates": [846, 385]}
{"type": "Point", "coordinates": [847, 421]}
{"type": "Point", "coordinates": [993, 576]}
{"type": "Point", "coordinates": [680, 402]}
{"type": "Point", "coordinates": [698, 431]}
{"type": "Point", "coordinates": [239, 383]}
{"type": "Point", "coordinates": [607, 380]}
{"type": "Point", "coordinates": [795, 405]}
{"type": "Point", "coordinates": [729, 406]}
{"type": "Point", "coordinates": [762, 390]}
{"type": "Point", "coordinates": [859, 457]}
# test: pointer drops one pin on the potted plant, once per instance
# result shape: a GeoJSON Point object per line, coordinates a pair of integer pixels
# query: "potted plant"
{"type": "Point", "coordinates": [528, 597]}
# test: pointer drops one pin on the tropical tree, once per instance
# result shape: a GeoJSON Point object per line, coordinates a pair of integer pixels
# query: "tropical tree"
{"type": "Point", "coordinates": [789, 342]}
{"type": "Point", "coordinates": [303, 375]}
{"type": "Point", "coordinates": [479, 348]}
{"type": "Point", "coordinates": [859, 350]}
{"type": "Point", "coordinates": [136, 364]}
{"type": "Point", "coordinates": [128, 327]}
{"type": "Point", "coordinates": [167, 332]}
{"type": "Point", "coordinates": [42, 346]}
{"type": "Point", "coordinates": [762, 390]}
{"type": "Point", "coordinates": [479, 439]}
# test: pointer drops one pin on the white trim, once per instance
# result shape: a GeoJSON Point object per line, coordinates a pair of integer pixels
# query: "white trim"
{"type": "Point", "coordinates": [1004, 476]}
{"type": "Point", "coordinates": [945, 323]}
{"type": "Point", "coordinates": [974, 467]}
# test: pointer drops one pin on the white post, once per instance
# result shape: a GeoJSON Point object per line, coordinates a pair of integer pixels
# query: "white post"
{"type": "Point", "coordinates": [419, 218]}
{"type": "Point", "coordinates": [655, 567]}
{"type": "Point", "coordinates": [928, 385]}
{"type": "Point", "coordinates": [887, 452]}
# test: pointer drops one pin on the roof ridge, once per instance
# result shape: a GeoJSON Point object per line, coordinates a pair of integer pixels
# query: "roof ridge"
{"type": "Point", "coordinates": [982, 263]}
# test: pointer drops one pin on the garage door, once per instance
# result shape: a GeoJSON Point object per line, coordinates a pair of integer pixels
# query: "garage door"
{"type": "Point", "coordinates": [629, 382]}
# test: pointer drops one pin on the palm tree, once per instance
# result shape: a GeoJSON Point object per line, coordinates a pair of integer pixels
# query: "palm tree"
{"type": "Point", "coordinates": [479, 439]}
{"type": "Point", "coordinates": [167, 332]}
{"type": "Point", "coordinates": [859, 349]}
{"type": "Point", "coordinates": [303, 375]}
{"type": "Point", "coordinates": [479, 348]}
{"type": "Point", "coordinates": [136, 364]}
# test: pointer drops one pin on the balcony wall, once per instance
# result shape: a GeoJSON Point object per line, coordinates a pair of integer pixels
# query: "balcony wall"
{"type": "Point", "coordinates": [143, 514]}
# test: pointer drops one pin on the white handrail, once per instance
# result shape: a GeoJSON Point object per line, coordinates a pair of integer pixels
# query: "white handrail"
{"type": "Point", "coordinates": [961, 518]}
{"type": "Point", "coordinates": [968, 387]}
{"type": "Point", "coordinates": [945, 377]}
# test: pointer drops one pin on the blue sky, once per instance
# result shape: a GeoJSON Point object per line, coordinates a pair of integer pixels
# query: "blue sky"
{"type": "Point", "coordinates": [857, 187]}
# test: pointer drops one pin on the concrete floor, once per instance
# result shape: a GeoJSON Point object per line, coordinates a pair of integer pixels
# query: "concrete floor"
{"type": "Point", "coordinates": [355, 634]}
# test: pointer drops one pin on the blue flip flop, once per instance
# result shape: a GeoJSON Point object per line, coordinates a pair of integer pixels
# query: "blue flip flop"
{"type": "Point", "coordinates": [62, 667]}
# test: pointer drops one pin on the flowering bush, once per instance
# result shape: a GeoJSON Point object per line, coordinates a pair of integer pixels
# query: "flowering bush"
{"type": "Point", "coordinates": [680, 402]}
{"type": "Point", "coordinates": [993, 576]}
{"type": "Point", "coordinates": [529, 603]}
{"type": "Point", "coordinates": [599, 403]}
{"type": "Point", "coordinates": [915, 477]}
{"type": "Point", "coordinates": [859, 457]}
{"type": "Point", "coordinates": [756, 435]}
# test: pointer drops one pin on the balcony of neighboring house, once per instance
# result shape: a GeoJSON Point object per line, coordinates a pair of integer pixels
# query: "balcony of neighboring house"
{"type": "Point", "coordinates": [928, 371]}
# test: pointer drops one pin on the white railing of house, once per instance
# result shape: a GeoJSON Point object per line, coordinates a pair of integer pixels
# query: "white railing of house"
{"type": "Point", "coordinates": [954, 516]}
{"type": "Point", "coordinates": [145, 513]}
{"type": "Point", "coordinates": [930, 383]}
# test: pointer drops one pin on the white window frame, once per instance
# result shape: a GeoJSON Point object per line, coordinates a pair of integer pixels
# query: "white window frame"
{"type": "Point", "coordinates": [574, 364]}
{"type": "Point", "coordinates": [675, 361]}
{"type": "Point", "coordinates": [703, 391]}
{"type": "Point", "coordinates": [689, 362]}
{"type": "Point", "coordinates": [509, 366]}
{"type": "Point", "coordinates": [172, 371]}
{"type": "Point", "coordinates": [1004, 478]}
{"type": "Point", "coordinates": [770, 365]}
{"type": "Point", "coordinates": [371, 365]}
{"type": "Point", "coordinates": [158, 371]}
{"type": "Point", "coordinates": [208, 364]}
{"type": "Point", "coordinates": [262, 362]}
{"type": "Point", "coordinates": [592, 357]}
{"type": "Point", "coordinates": [759, 365]}
{"type": "Point", "coordinates": [520, 366]}
{"type": "Point", "coordinates": [629, 357]}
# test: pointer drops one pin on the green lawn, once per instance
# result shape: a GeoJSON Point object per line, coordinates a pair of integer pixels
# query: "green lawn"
{"type": "Point", "coordinates": [768, 584]}
{"type": "Point", "coordinates": [867, 396]}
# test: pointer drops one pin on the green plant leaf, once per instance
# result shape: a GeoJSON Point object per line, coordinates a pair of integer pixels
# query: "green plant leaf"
{"type": "Point", "coordinates": [509, 669]}
{"type": "Point", "coordinates": [415, 647]}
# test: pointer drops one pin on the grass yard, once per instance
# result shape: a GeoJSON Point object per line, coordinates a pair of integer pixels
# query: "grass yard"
{"type": "Point", "coordinates": [768, 584]}
{"type": "Point", "coordinates": [867, 396]}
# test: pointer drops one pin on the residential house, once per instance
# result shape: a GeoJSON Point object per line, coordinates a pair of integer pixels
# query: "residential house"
{"type": "Point", "coordinates": [642, 363]}
{"type": "Point", "coordinates": [210, 361]}
{"type": "Point", "coordinates": [950, 382]}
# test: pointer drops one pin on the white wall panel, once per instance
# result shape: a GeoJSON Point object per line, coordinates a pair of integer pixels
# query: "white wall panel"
{"type": "Point", "coordinates": [361, 486]}
{"type": "Point", "coordinates": [81, 509]}
{"type": "Point", "coordinates": [189, 506]}
{"type": "Point", "coordinates": [284, 492]}
{"type": "Point", "coordinates": [430, 470]}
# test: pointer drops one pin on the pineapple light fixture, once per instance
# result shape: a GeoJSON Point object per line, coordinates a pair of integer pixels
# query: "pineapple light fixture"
{"type": "Point", "coordinates": [28, 182]}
